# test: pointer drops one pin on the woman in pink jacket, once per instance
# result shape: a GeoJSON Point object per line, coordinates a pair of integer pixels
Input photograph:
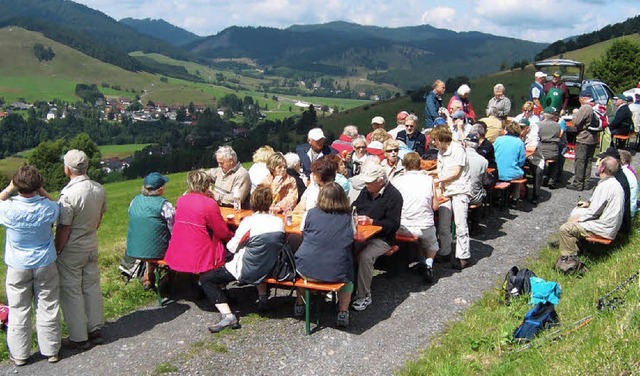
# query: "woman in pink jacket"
{"type": "Point", "coordinates": [198, 230]}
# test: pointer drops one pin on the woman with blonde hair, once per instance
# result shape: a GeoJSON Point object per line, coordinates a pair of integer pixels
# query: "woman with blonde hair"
{"type": "Point", "coordinates": [259, 171]}
{"type": "Point", "coordinates": [283, 186]}
{"type": "Point", "coordinates": [392, 163]}
{"type": "Point", "coordinates": [325, 253]}
{"type": "Point", "coordinates": [198, 229]}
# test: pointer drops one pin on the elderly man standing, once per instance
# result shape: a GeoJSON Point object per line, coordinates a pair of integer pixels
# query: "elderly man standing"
{"type": "Point", "coordinates": [602, 216]}
{"type": "Point", "coordinates": [536, 92]}
{"type": "Point", "coordinates": [550, 135]}
{"type": "Point", "coordinates": [433, 103]}
{"type": "Point", "coordinates": [379, 204]}
{"type": "Point", "coordinates": [82, 204]}
{"type": "Point", "coordinates": [230, 180]}
{"type": "Point", "coordinates": [313, 149]}
{"type": "Point", "coordinates": [499, 105]}
{"type": "Point", "coordinates": [586, 142]}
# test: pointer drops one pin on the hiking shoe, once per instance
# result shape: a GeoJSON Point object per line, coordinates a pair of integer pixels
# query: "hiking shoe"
{"type": "Point", "coordinates": [18, 362]}
{"type": "Point", "coordinates": [148, 286]}
{"type": "Point", "coordinates": [95, 337]}
{"type": "Point", "coordinates": [53, 359]}
{"type": "Point", "coordinates": [227, 321]}
{"type": "Point", "coordinates": [570, 265]}
{"type": "Point", "coordinates": [427, 275]}
{"type": "Point", "coordinates": [82, 345]}
{"type": "Point", "coordinates": [420, 268]}
{"type": "Point", "coordinates": [362, 303]}
{"type": "Point", "coordinates": [575, 187]}
{"type": "Point", "coordinates": [298, 311]}
{"type": "Point", "coordinates": [343, 319]}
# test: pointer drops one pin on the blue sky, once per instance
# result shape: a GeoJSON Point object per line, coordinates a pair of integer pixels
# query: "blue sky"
{"type": "Point", "coordinates": [534, 20]}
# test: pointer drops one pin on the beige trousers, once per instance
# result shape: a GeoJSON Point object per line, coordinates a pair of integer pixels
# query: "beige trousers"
{"type": "Point", "coordinates": [372, 249]}
{"type": "Point", "coordinates": [80, 295]}
{"type": "Point", "coordinates": [38, 287]}
{"type": "Point", "coordinates": [570, 234]}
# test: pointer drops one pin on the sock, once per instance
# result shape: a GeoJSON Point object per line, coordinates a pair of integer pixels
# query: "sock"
{"type": "Point", "coordinates": [422, 260]}
{"type": "Point", "coordinates": [429, 262]}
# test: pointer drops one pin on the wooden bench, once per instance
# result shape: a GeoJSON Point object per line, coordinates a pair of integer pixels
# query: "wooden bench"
{"type": "Point", "coordinates": [162, 270]}
{"type": "Point", "coordinates": [597, 239]}
{"type": "Point", "coordinates": [503, 188]}
{"type": "Point", "coordinates": [518, 182]}
{"type": "Point", "coordinates": [307, 286]}
{"type": "Point", "coordinates": [624, 138]}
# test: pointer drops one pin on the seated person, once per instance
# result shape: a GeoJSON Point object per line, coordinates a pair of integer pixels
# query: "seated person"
{"type": "Point", "coordinates": [392, 163]}
{"type": "Point", "coordinates": [341, 172]}
{"type": "Point", "coordinates": [418, 204]}
{"type": "Point", "coordinates": [510, 155]}
{"type": "Point", "coordinates": [314, 149]}
{"type": "Point", "coordinates": [477, 170]}
{"type": "Point", "coordinates": [343, 144]}
{"type": "Point", "coordinates": [550, 134]}
{"type": "Point", "coordinates": [325, 254]}
{"type": "Point", "coordinates": [322, 171]}
{"type": "Point", "coordinates": [258, 170]}
{"type": "Point", "coordinates": [256, 246]}
{"type": "Point", "coordinates": [410, 136]}
{"type": "Point", "coordinates": [293, 169]}
{"type": "Point", "coordinates": [229, 179]}
{"type": "Point", "coordinates": [357, 157]}
{"type": "Point", "coordinates": [625, 166]}
{"type": "Point", "coordinates": [379, 204]}
{"type": "Point", "coordinates": [283, 187]}
{"type": "Point", "coordinates": [150, 223]}
{"type": "Point", "coordinates": [622, 122]}
{"type": "Point", "coordinates": [459, 126]}
{"type": "Point", "coordinates": [356, 182]}
{"type": "Point", "coordinates": [602, 216]}
{"type": "Point", "coordinates": [485, 147]}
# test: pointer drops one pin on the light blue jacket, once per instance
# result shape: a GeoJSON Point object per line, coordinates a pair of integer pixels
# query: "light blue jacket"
{"type": "Point", "coordinates": [510, 157]}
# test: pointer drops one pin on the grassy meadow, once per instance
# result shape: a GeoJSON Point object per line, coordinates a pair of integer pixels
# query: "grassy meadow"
{"type": "Point", "coordinates": [481, 343]}
{"type": "Point", "coordinates": [120, 151]}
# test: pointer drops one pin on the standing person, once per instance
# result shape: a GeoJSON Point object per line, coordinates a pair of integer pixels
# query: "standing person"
{"type": "Point", "coordinates": [414, 140]}
{"type": "Point", "coordinates": [82, 205]}
{"type": "Point", "coordinates": [419, 201]}
{"type": "Point", "coordinates": [150, 223]}
{"type": "Point", "coordinates": [536, 92]}
{"type": "Point", "coordinates": [376, 123]}
{"type": "Point", "coordinates": [550, 135]}
{"type": "Point", "coordinates": [30, 255]}
{"type": "Point", "coordinates": [198, 229]}
{"type": "Point", "coordinates": [325, 254]}
{"type": "Point", "coordinates": [622, 122]}
{"type": "Point", "coordinates": [313, 149]}
{"type": "Point", "coordinates": [453, 176]}
{"type": "Point", "coordinates": [433, 103]}
{"type": "Point", "coordinates": [586, 142]}
{"type": "Point", "coordinates": [379, 204]}
{"type": "Point", "coordinates": [255, 245]}
{"type": "Point", "coordinates": [283, 187]}
{"type": "Point", "coordinates": [499, 105]}
{"type": "Point", "coordinates": [230, 179]}
{"type": "Point", "coordinates": [462, 95]}
{"type": "Point", "coordinates": [556, 94]}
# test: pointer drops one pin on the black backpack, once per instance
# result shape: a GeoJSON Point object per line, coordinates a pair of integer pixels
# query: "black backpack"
{"type": "Point", "coordinates": [131, 268]}
{"type": "Point", "coordinates": [517, 283]}
{"type": "Point", "coordinates": [285, 267]}
{"type": "Point", "coordinates": [540, 317]}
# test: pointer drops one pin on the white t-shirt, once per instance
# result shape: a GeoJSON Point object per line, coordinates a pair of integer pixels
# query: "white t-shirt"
{"type": "Point", "coordinates": [416, 188]}
{"type": "Point", "coordinates": [447, 161]}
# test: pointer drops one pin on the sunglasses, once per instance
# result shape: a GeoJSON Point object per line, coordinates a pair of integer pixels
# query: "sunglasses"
{"type": "Point", "coordinates": [359, 147]}
{"type": "Point", "coordinates": [392, 150]}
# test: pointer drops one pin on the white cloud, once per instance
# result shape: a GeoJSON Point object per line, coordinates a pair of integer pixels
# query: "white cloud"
{"type": "Point", "coordinates": [443, 17]}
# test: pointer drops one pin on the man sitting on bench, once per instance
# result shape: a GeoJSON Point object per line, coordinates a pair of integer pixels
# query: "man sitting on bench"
{"type": "Point", "coordinates": [601, 216]}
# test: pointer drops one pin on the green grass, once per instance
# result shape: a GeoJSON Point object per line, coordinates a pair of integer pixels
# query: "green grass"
{"type": "Point", "coordinates": [166, 368]}
{"type": "Point", "coordinates": [588, 54]}
{"type": "Point", "coordinates": [120, 151]}
{"type": "Point", "coordinates": [480, 343]}
{"type": "Point", "coordinates": [8, 166]}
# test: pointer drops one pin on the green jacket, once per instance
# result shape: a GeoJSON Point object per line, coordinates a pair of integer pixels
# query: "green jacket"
{"type": "Point", "coordinates": [148, 235]}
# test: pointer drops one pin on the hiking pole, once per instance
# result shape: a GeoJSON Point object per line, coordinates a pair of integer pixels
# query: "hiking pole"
{"type": "Point", "coordinates": [614, 302]}
{"type": "Point", "coordinates": [556, 334]}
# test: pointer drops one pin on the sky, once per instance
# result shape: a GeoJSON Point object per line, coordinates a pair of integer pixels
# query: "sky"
{"type": "Point", "coordinates": [533, 20]}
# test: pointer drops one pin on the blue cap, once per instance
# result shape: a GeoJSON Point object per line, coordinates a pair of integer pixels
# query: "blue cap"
{"type": "Point", "coordinates": [458, 115]}
{"type": "Point", "coordinates": [585, 93]}
{"type": "Point", "coordinates": [155, 181]}
{"type": "Point", "coordinates": [439, 121]}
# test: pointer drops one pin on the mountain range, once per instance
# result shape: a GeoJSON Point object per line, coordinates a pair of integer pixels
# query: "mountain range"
{"type": "Point", "coordinates": [398, 56]}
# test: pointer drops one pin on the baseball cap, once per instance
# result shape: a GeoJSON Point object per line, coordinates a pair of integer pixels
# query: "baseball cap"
{"type": "Point", "coordinates": [585, 94]}
{"type": "Point", "coordinates": [76, 159]}
{"type": "Point", "coordinates": [540, 74]}
{"type": "Point", "coordinates": [375, 148]}
{"type": "Point", "coordinates": [155, 181]}
{"type": "Point", "coordinates": [315, 134]}
{"type": "Point", "coordinates": [458, 115]}
{"type": "Point", "coordinates": [439, 121]}
{"type": "Point", "coordinates": [371, 173]}
{"type": "Point", "coordinates": [378, 120]}
{"type": "Point", "coordinates": [556, 74]}
{"type": "Point", "coordinates": [402, 115]}
{"type": "Point", "coordinates": [472, 137]}
{"type": "Point", "coordinates": [525, 122]}
{"type": "Point", "coordinates": [550, 110]}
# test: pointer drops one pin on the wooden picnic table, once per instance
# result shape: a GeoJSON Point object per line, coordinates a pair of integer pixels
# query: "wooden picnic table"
{"type": "Point", "coordinates": [234, 218]}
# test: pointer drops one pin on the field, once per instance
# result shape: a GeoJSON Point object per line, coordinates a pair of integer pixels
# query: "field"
{"type": "Point", "coordinates": [120, 151]}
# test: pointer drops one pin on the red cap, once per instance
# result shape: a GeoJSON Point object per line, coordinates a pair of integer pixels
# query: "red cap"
{"type": "Point", "coordinates": [402, 115]}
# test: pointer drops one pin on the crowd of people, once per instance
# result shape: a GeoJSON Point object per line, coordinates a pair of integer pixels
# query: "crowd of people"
{"type": "Point", "coordinates": [380, 179]}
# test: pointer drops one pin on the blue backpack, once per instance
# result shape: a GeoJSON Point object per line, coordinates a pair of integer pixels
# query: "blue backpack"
{"type": "Point", "coordinates": [540, 317]}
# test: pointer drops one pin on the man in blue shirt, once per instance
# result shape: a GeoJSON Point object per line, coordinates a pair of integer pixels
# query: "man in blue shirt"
{"type": "Point", "coordinates": [432, 104]}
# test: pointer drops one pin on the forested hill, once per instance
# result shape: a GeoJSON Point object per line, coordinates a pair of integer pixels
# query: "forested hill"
{"type": "Point", "coordinates": [162, 30]}
{"type": "Point", "coordinates": [628, 27]}
{"type": "Point", "coordinates": [399, 56]}
{"type": "Point", "coordinates": [88, 30]}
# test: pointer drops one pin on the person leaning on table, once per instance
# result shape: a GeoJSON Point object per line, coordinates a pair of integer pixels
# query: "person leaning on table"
{"type": "Point", "coordinates": [30, 255]}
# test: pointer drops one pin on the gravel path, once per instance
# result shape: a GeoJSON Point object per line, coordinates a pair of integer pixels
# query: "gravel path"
{"type": "Point", "coordinates": [404, 317]}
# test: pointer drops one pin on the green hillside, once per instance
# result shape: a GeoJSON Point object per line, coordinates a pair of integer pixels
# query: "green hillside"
{"type": "Point", "coordinates": [588, 54]}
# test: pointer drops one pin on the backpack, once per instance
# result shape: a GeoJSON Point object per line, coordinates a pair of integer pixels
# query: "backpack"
{"type": "Point", "coordinates": [599, 120]}
{"type": "Point", "coordinates": [131, 268]}
{"type": "Point", "coordinates": [540, 317]}
{"type": "Point", "coordinates": [517, 283]}
{"type": "Point", "coordinates": [285, 266]}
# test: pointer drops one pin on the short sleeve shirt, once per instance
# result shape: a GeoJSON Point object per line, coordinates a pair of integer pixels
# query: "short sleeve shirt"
{"type": "Point", "coordinates": [447, 161]}
{"type": "Point", "coordinates": [82, 203]}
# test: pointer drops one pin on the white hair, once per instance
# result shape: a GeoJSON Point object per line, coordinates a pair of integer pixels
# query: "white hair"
{"type": "Point", "coordinates": [464, 89]}
{"type": "Point", "coordinates": [292, 159]}
{"type": "Point", "coordinates": [227, 152]}
{"type": "Point", "coordinates": [350, 131]}
{"type": "Point", "coordinates": [499, 87]}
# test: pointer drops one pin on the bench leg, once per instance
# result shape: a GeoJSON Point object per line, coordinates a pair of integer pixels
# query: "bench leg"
{"type": "Point", "coordinates": [307, 308]}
